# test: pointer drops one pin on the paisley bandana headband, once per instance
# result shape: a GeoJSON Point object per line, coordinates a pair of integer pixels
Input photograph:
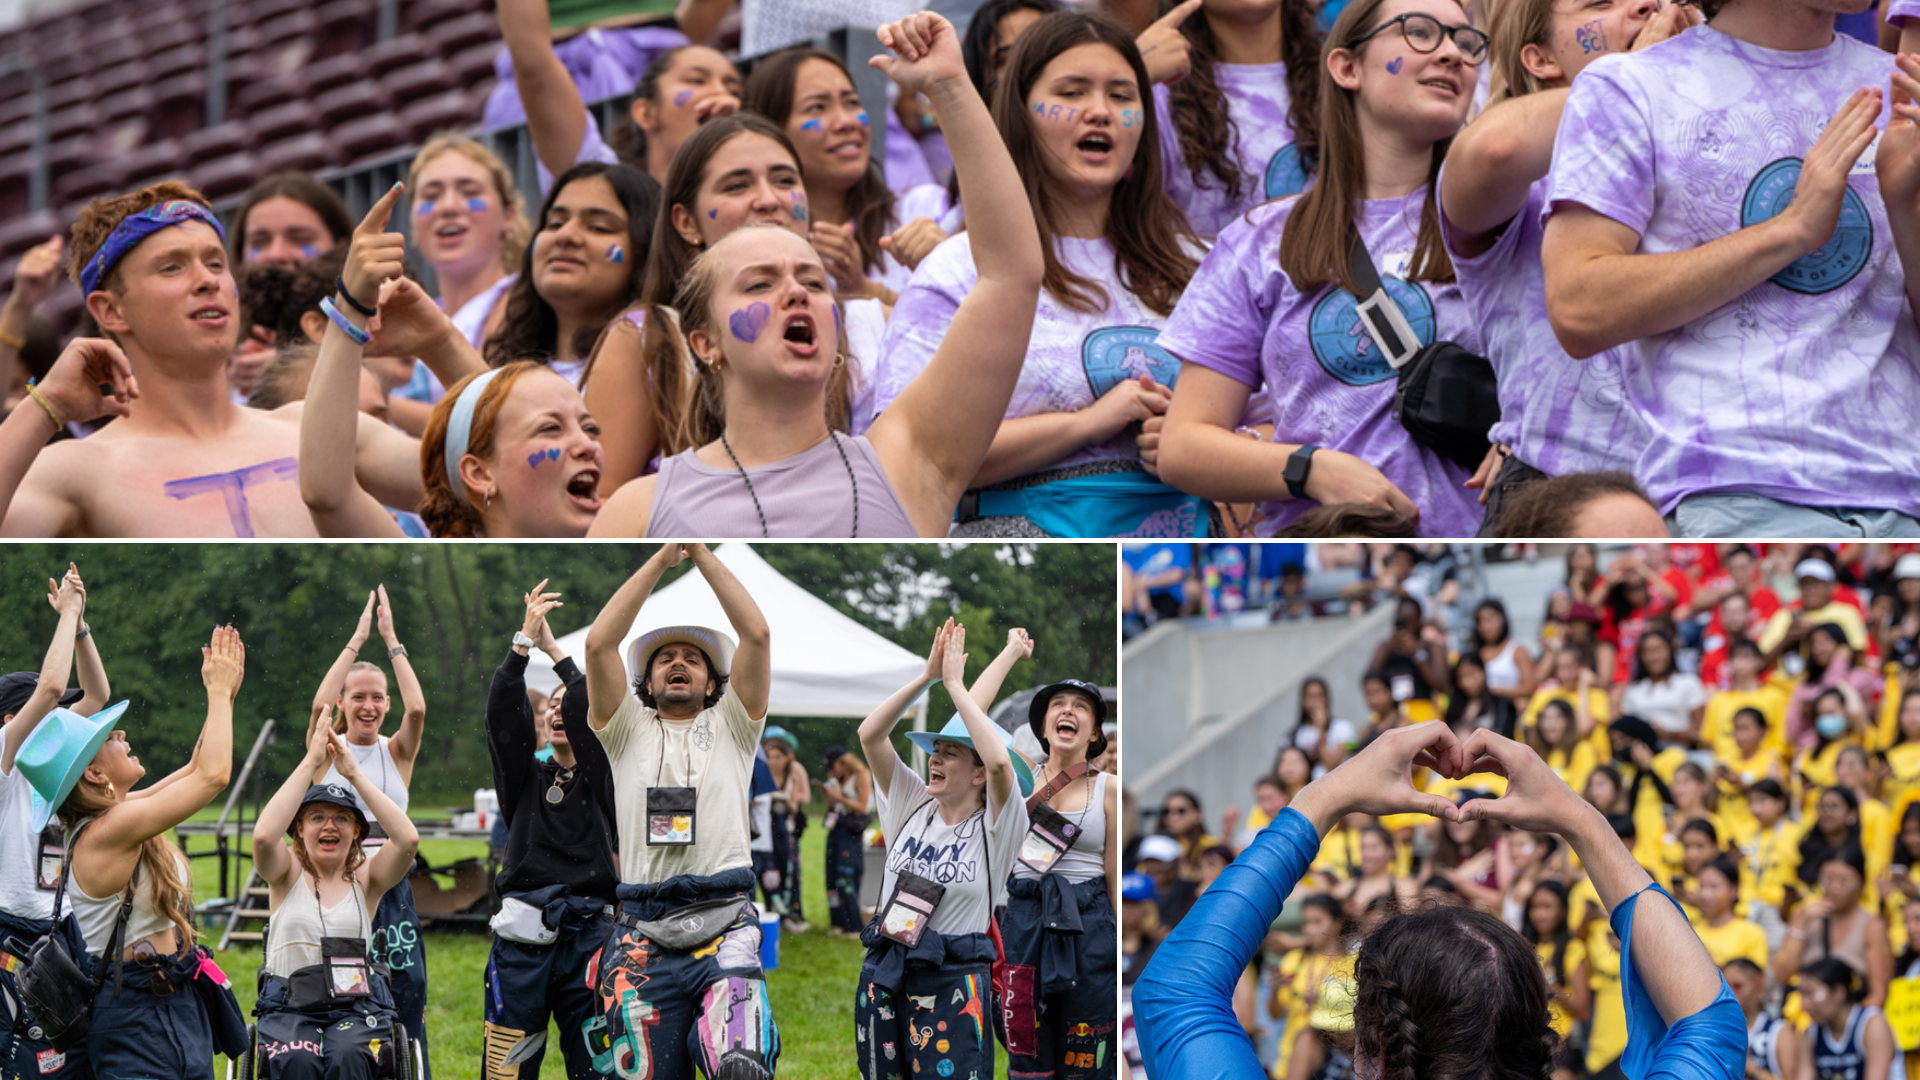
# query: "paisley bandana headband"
{"type": "Point", "coordinates": [137, 227]}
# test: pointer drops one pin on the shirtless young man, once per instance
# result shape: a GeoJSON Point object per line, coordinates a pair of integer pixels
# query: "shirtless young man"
{"type": "Point", "coordinates": [182, 460]}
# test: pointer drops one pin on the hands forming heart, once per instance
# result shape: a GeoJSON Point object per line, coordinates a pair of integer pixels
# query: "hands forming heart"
{"type": "Point", "coordinates": [1379, 781]}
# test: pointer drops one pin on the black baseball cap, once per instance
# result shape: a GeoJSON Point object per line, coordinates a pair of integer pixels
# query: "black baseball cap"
{"type": "Point", "coordinates": [334, 794]}
{"type": "Point", "coordinates": [1037, 712]}
{"type": "Point", "coordinates": [17, 686]}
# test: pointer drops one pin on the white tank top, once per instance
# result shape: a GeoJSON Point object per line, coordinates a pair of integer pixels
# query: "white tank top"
{"type": "Point", "coordinates": [1503, 671]}
{"type": "Point", "coordinates": [1087, 858]}
{"type": "Point", "coordinates": [377, 763]}
{"type": "Point", "coordinates": [96, 917]}
{"type": "Point", "coordinates": [294, 933]}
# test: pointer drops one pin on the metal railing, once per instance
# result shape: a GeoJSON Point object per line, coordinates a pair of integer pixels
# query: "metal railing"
{"type": "Point", "coordinates": [37, 179]}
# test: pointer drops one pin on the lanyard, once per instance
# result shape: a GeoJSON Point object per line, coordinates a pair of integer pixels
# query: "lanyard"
{"type": "Point", "coordinates": [659, 769]}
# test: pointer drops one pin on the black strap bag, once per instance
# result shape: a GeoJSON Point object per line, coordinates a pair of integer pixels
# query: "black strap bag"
{"type": "Point", "coordinates": [57, 994]}
{"type": "Point", "coordinates": [1447, 397]}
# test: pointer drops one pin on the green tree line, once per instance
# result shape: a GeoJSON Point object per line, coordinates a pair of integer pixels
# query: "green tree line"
{"type": "Point", "coordinates": [152, 606]}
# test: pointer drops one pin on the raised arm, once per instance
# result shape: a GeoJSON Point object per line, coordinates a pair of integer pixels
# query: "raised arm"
{"type": "Point", "coordinates": [335, 680]}
{"type": "Point", "coordinates": [405, 744]}
{"type": "Point", "coordinates": [72, 391]}
{"type": "Point", "coordinates": [121, 830]}
{"type": "Point", "coordinates": [606, 668]}
{"type": "Point", "coordinates": [935, 435]}
{"type": "Point", "coordinates": [95, 690]}
{"type": "Point", "coordinates": [556, 117]}
{"type": "Point", "coordinates": [1602, 291]}
{"type": "Point", "coordinates": [511, 739]}
{"type": "Point", "coordinates": [69, 598]}
{"type": "Point", "coordinates": [388, 866]}
{"type": "Point", "coordinates": [328, 484]}
{"type": "Point", "coordinates": [752, 673]}
{"type": "Point", "coordinates": [987, 743]}
{"type": "Point", "coordinates": [986, 687]}
{"type": "Point", "coordinates": [271, 856]}
{"type": "Point", "coordinates": [876, 731]}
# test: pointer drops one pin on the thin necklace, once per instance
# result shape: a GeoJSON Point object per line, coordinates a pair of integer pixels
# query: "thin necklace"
{"type": "Point", "coordinates": [851, 481]}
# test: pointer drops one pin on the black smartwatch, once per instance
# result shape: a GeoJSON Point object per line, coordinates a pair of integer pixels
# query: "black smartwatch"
{"type": "Point", "coordinates": [1299, 463]}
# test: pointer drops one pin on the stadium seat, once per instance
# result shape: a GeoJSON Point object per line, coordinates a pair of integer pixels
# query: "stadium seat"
{"type": "Point", "coordinates": [396, 52]}
{"type": "Point", "coordinates": [281, 121]}
{"type": "Point", "coordinates": [353, 101]}
{"type": "Point", "coordinates": [72, 152]}
{"type": "Point", "coordinates": [310, 152]}
{"type": "Point", "coordinates": [284, 57]}
{"type": "Point", "coordinates": [346, 27]}
{"type": "Point", "coordinates": [218, 141]}
{"type": "Point", "coordinates": [459, 33]}
{"type": "Point", "coordinates": [106, 176]}
{"type": "Point", "coordinates": [475, 62]}
{"type": "Point", "coordinates": [227, 176]}
{"type": "Point", "coordinates": [16, 138]}
{"type": "Point", "coordinates": [333, 73]}
{"type": "Point", "coordinates": [178, 61]}
{"type": "Point", "coordinates": [17, 234]}
{"type": "Point", "coordinates": [420, 80]}
{"type": "Point", "coordinates": [156, 161]}
{"type": "Point", "coordinates": [441, 112]}
{"type": "Point", "coordinates": [299, 23]}
{"type": "Point", "coordinates": [371, 136]}
{"type": "Point", "coordinates": [78, 120]}
{"type": "Point", "coordinates": [263, 95]}
{"type": "Point", "coordinates": [64, 96]}
{"type": "Point", "coordinates": [181, 104]}
{"type": "Point", "coordinates": [134, 105]}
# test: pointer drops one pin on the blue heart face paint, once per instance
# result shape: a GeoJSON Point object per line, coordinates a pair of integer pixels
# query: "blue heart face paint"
{"type": "Point", "coordinates": [811, 125]}
{"type": "Point", "coordinates": [477, 206]}
{"type": "Point", "coordinates": [714, 214]}
{"type": "Point", "coordinates": [680, 99]}
{"type": "Point", "coordinates": [747, 323]}
{"type": "Point", "coordinates": [864, 122]}
{"type": "Point", "coordinates": [534, 459]}
{"type": "Point", "coordinates": [614, 254]}
{"type": "Point", "coordinates": [423, 209]}
{"type": "Point", "coordinates": [1394, 65]}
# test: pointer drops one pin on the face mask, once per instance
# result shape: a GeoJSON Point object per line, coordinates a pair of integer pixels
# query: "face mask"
{"type": "Point", "coordinates": [1831, 725]}
{"type": "Point", "coordinates": [1623, 754]}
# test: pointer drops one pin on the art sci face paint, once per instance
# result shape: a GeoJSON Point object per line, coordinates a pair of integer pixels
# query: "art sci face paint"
{"type": "Point", "coordinates": [1088, 115]}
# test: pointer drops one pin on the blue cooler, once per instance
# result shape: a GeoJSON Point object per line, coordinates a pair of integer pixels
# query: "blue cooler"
{"type": "Point", "coordinates": [769, 941]}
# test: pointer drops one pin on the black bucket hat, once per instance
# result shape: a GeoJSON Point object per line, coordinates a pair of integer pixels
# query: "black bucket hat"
{"type": "Point", "coordinates": [334, 794]}
{"type": "Point", "coordinates": [1037, 713]}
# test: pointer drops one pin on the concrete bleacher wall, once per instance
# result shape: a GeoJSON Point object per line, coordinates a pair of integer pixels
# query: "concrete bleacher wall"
{"type": "Point", "coordinates": [1209, 708]}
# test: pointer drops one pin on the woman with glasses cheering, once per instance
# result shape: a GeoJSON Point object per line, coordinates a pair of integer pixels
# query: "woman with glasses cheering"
{"type": "Point", "coordinates": [1275, 303]}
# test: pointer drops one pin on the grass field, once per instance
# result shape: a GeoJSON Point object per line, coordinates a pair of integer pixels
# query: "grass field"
{"type": "Point", "coordinates": [812, 989]}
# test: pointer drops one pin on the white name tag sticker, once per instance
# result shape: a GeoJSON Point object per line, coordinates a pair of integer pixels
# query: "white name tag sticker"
{"type": "Point", "coordinates": [1865, 162]}
{"type": "Point", "coordinates": [1396, 264]}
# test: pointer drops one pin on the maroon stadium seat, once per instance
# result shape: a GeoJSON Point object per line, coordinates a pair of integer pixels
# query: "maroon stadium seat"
{"type": "Point", "coordinates": [227, 176]}
{"type": "Point", "coordinates": [475, 62]}
{"type": "Point", "coordinates": [17, 234]}
{"type": "Point", "coordinates": [161, 160]}
{"type": "Point", "coordinates": [420, 80]}
{"type": "Point", "coordinates": [282, 121]}
{"type": "Point", "coordinates": [182, 102]}
{"type": "Point", "coordinates": [218, 141]}
{"type": "Point", "coordinates": [72, 152]}
{"type": "Point", "coordinates": [466, 31]}
{"type": "Point", "coordinates": [352, 102]}
{"type": "Point", "coordinates": [397, 52]}
{"type": "Point", "coordinates": [66, 95]}
{"type": "Point", "coordinates": [16, 138]}
{"type": "Point", "coordinates": [107, 176]}
{"type": "Point", "coordinates": [439, 113]}
{"type": "Point", "coordinates": [284, 57]}
{"type": "Point", "coordinates": [310, 152]}
{"type": "Point", "coordinates": [347, 26]}
{"type": "Point", "coordinates": [177, 61]}
{"type": "Point", "coordinates": [334, 72]}
{"type": "Point", "coordinates": [134, 104]}
{"type": "Point", "coordinates": [298, 23]}
{"type": "Point", "coordinates": [78, 120]}
{"type": "Point", "coordinates": [266, 94]}
{"type": "Point", "coordinates": [370, 136]}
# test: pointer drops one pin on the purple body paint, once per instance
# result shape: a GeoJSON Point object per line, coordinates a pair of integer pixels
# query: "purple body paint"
{"type": "Point", "coordinates": [747, 323]}
{"type": "Point", "coordinates": [1394, 65]}
{"type": "Point", "coordinates": [810, 125]}
{"type": "Point", "coordinates": [253, 253]}
{"type": "Point", "coordinates": [232, 486]}
{"type": "Point", "coordinates": [534, 459]}
{"type": "Point", "coordinates": [477, 206]}
{"type": "Point", "coordinates": [683, 97]}
{"type": "Point", "coordinates": [714, 214]}
{"type": "Point", "coordinates": [309, 251]}
{"type": "Point", "coordinates": [422, 209]}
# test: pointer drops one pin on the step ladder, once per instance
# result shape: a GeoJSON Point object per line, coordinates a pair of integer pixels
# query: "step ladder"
{"type": "Point", "coordinates": [249, 907]}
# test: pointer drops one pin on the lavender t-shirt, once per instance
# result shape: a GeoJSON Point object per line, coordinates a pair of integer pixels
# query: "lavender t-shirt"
{"type": "Point", "coordinates": [1560, 415]}
{"type": "Point", "coordinates": [1326, 379]}
{"type": "Point", "coordinates": [1805, 388]}
{"type": "Point", "coordinates": [1072, 358]}
{"type": "Point", "coordinates": [1262, 148]}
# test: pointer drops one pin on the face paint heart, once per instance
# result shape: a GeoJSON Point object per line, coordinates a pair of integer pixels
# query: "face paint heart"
{"type": "Point", "coordinates": [747, 323]}
{"type": "Point", "coordinates": [864, 122]}
{"type": "Point", "coordinates": [680, 99]}
{"type": "Point", "coordinates": [534, 459]}
{"type": "Point", "coordinates": [713, 215]}
{"type": "Point", "coordinates": [1394, 65]}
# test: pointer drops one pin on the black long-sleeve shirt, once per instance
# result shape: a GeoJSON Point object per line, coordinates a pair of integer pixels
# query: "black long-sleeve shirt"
{"type": "Point", "coordinates": [570, 842]}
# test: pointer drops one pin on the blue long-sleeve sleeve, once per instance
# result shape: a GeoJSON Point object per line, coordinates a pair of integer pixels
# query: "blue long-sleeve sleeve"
{"type": "Point", "coordinates": [1709, 1045]}
{"type": "Point", "coordinates": [1183, 1001]}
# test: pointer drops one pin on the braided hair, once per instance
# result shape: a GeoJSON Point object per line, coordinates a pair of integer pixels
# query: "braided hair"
{"type": "Point", "coordinates": [1451, 993]}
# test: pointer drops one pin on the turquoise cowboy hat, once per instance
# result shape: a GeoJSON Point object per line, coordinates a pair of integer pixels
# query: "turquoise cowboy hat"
{"type": "Point", "coordinates": [782, 734]}
{"type": "Point", "coordinates": [59, 750]}
{"type": "Point", "coordinates": [956, 732]}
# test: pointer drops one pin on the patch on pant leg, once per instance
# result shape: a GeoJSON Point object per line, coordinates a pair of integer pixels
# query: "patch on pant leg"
{"type": "Point", "coordinates": [743, 1065]}
{"type": "Point", "coordinates": [735, 1015]}
{"type": "Point", "coordinates": [1086, 1048]}
{"type": "Point", "coordinates": [599, 1050]}
{"type": "Point", "coordinates": [974, 1009]}
{"type": "Point", "coordinates": [501, 1042]}
{"type": "Point", "coordinates": [628, 1035]}
{"type": "Point", "coordinates": [740, 948]}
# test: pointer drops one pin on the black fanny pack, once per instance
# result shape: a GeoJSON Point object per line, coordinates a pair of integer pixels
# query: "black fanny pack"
{"type": "Point", "coordinates": [57, 994]}
{"type": "Point", "coordinates": [342, 976]}
{"type": "Point", "coordinates": [688, 927]}
{"type": "Point", "coordinates": [1447, 398]}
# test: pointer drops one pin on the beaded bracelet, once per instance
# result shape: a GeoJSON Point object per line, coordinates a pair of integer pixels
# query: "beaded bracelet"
{"type": "Point", "coordinates": [12, 341]}
{"type": "Point", "coordinates": [34, 392]}
{"type": "Point", "coordinates": [359, 336]}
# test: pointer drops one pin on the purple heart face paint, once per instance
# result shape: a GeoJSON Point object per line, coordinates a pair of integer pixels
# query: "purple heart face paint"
{"type": "Point", "coordinates": [423, 209]}
{"type": "Point", "coordinates": [534, 459]}
{"type": "Point", "coordinates": [1394, 65]}
{"type": "Point", "coordinates": [747, 323]}
{"type": "Point", "coordinates": [477, 206]}
{"type": "Point", "coordinates": [811, 125]}
{"type": "Point", "coordinates": [713, 215]}
{"type": "Point", "coordinates": [680, 99]}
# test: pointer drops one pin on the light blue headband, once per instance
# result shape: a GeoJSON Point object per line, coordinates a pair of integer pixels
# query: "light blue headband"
{"type": "Point", "coordinates": [460, 425]}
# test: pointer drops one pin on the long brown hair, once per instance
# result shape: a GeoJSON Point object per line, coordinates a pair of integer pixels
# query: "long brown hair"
{"type": "Point", "coordinates": [513, 205]}
{"type": "Point", "coordinates": [1517, 24]}
{"type": "Point", "coordinates": [1200, 118]}
{"type": "Point", "coordinates": [301, 188]}
{"type": "Point", "coordinates": [769, 92]}
{"type": "Point", "coordinates": [1148, 231]}
{"type": "Point", "coordinates": [450, 513]}
{"type": "Point", "coordinates": [1320, 231]}
{"type": "Point", "coordinates": [159, 866]}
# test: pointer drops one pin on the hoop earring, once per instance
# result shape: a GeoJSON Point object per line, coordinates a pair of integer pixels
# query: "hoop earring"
{"type": "Point", "coordinates": [110, 792]}
{"type": "Point", "coordinates": [839, 360]}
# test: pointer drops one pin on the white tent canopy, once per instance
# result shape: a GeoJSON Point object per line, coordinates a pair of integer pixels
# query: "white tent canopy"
{"type": "Point", "coordinates": [824, 663]}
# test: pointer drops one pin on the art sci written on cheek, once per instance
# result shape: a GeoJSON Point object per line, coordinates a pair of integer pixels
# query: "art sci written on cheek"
{"type": "Point", "coordinates": [1592, 38]}
{"type": "Point", "coordinates": [232, 488]}
{"type": "Point", "coordinates": [799, 205]}
{"type": "Point", "coordinates": [535, 459]}
{"type": "Point", "coordinates": [747, 323]}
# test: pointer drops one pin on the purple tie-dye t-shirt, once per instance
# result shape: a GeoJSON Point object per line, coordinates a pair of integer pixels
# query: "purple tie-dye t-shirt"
{"type": "Point", "coordinates": [1326, 380]}
{"type": "Point", "coordinates": [1072, 358]}
{"type": "Point", "coordinates": [1262, 148]}
{"type": "Point", "coordinates": [1805, 388]}
{"type": "Point", "coordinates": [1560, 415]}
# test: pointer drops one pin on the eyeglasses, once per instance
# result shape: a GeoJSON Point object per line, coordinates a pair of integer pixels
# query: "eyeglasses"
{"type": "Point", "coordinates": [1423, 34]}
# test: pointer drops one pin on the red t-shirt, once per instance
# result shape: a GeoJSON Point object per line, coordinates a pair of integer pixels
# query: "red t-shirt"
{"type": "Point", "coordinates": [1699, 561]}
{"type": "Point", "coordinates": [1624, 636]}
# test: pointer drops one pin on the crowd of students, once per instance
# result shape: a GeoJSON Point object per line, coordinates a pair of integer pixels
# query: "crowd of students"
{"type": "Point", "coordinates": [646, 953]}
{"type": "Point", "coordinates": [1174, 325]}
{"type": "Point", "coordinates": [1745, 721]}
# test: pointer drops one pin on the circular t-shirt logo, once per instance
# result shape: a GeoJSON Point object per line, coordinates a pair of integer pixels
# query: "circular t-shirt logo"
{"type": "Point", "coordinates": [1286, 172]}
{"type": "Point", "coordinates": [1833, 263]}
{"type": "Point", "coordinates": [1112, 354]}
{"type": "Point", "coordinates": [1340, 340]}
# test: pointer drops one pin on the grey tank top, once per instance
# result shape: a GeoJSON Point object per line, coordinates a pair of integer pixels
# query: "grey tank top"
{"type": "Point", "coordinates": [807, 495]}
{"type": "Point", "coordinates": [1087, 858]}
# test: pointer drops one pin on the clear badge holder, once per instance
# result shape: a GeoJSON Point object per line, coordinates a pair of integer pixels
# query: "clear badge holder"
{"type": "Point", "coordinates": [670, 816]}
